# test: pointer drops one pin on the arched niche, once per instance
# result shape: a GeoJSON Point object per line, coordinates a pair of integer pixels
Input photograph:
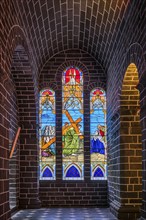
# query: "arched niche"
{"type": "Point", "coordinates": [130, 141]}
{"type": "Point", "coordinates": [22, 98]}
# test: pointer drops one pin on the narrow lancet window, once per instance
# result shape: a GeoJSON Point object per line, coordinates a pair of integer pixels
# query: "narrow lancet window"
{"type": "Point", "coordinates": [47, 136]}
{"type": "Point", "coordinates": [72, 124]}
{"type": "Point", "coordinates": [98, 143]}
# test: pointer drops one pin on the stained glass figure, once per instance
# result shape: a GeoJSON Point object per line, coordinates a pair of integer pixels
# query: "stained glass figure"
{"type": "Point", "coordinates": [72, 124]}
{"type": "Point", "coordinates": [98, 143]}
{"type": "Point", "coordinates": [47, 136]}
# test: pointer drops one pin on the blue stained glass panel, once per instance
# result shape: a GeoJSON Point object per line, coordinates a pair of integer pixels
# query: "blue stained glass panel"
{"type": "Point", "coordinates": [98, 172]}
{"type": "Point", "coordinates": [97, 146]}
{"type": "Point", "coordinates": [47, 134]}
{"type": "Point", "coordinates": [47, 172]}
{"type": "Point", "coordinates": [73, 172]}
{"type": "Point", "coordinates": [98, 143]}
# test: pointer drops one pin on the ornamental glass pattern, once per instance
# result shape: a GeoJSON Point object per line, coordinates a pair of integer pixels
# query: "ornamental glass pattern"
{"type": "Point", "coordinates": [47, 136]}
{"type": "Point", "coordinates": [98, 140]}
{"type": "Point", "coordinates": [72, 124]}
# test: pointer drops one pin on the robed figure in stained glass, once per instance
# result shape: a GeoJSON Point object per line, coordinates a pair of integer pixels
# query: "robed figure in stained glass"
{"type": "Point", "coordinates": [97, 142]}
{"type": "Point", "coordinates": [47, 134]}
{"type": "Point", "coordinates": [72, 130]}
{"type": "Point", "coordinates": [72, 141]}
{"type": "Point", "coordinates": [98, 133]}
{"type": "Point", "coordinates": [72, 89]}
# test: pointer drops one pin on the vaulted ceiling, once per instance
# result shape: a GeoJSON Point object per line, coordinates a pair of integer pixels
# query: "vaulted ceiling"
{"type": "Point", "coordinates": [52, 26]}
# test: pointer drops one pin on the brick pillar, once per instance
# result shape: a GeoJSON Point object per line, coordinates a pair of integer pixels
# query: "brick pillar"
{"type": "Point", "coordinates": [86, 134]}
{"type": "Point", "coordinates": [29, 151]}
{"type": "Point", "coordinates": [4, 149]}
{"type": "Point", "coordinates": [114, 161]}
{"type": "Point", "coordinates": [142, 89]}
{"type": "Point", "coordinates": [59, 133]}
{"type": "Point", "coordinates": [127, 204]}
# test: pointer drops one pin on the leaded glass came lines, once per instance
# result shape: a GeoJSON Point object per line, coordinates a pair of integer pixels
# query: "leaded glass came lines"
{"type": "Point", "coordinates": [72, 124]}
{"type": "Point", "coordinates": [47, 137]}
{"type": "Point", "coordinates": [98, 142]}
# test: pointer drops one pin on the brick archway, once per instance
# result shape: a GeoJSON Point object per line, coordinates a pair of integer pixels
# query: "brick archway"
{"type": "Point", "coordinates": [130, 144]}
{"type": "Point", "coordinates": [25, 99]}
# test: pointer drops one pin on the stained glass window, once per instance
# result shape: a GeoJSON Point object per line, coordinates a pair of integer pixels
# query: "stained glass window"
{"type": "Point", "coordinates": [98, 142]}
{"type": "Point", "coordinates": [47, 137]}
{"type": "Point", "coordinates": [72, 124]}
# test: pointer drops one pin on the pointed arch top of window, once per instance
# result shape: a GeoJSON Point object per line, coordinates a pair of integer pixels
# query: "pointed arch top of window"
{"type": "Point", "coordinates": [72, 76]}
{"type": "Point", "coordinates": [47, 92]}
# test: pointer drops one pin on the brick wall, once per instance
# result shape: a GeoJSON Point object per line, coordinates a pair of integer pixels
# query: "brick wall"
{"type": "Point", "coordinates": [25, 90]}
{"type": "Point", "coordinates": [143, 123]}
{"type": "Point", "coordinates": [126, 157]}
{"type": "Point", "coordinates": [130, 47]}
{"type": "Point", "coordinates": [116, 38]}
{"type": "Point", "coordinates": [130, 140]}
{"type": "Point", "coordinates": [73, 193]}
{"type": "Point", "coordinates": [18, 108]}
{"type": "Point", "coordinates": [134, 55]}
{"type": "Point", "coordinates": [4, 147]}
{"type": "Point", "coordinates": [14, 161]}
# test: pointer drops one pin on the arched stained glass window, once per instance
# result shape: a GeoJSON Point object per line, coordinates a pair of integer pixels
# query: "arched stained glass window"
{"type": "Point", "coordinates": [72, 124]}
{"type": "Point", "coordinates": [47, 138]}
{"type": "Point", "coordinates": [98, 142]}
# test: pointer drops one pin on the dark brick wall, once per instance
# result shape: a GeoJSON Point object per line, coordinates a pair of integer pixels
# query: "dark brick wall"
{"type": "Point", "coordinates": [130, 47]}
{"type": "Point", "coordinates": [125, 158]}
{"type": "Point", "coordinates": [27, 103]}
{"type": "Point", "coordinates": [73, 193]}
{"type": "Point", "coordinates": [4, 147]}
{"type": "Point", "coordinates": [14, 161]}
{"type": "Point", "coordinates": [51, 71]}
{"type": "Point", "coordinates": [18, 107]}
{"type": "Point", "coordinates": [54, 26]}
{"type": "Point", "coordinates": [113, 32]}
{"type": "Point", "coordinates": [130, 140]}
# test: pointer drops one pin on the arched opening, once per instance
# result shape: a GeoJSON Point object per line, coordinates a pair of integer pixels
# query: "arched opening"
{"type": "Point", "coordinates": [14, 160]}
{"type": "Point", "coordinates": [23, 166]}
{"type": "Point", "coordinates": [130, 142]}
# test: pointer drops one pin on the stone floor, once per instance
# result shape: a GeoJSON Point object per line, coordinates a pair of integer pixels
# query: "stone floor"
{"type": "Point", "coordinates": [64, 214]}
